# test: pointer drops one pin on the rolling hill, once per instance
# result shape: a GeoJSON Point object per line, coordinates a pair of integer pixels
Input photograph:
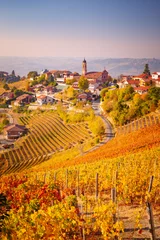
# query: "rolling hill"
{"type": "Point", "coordinates": [115, 66]}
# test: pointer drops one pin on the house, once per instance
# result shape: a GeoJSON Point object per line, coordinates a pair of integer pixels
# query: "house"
{"type": "Point", "coordinates": [49, 90]}
{"type": "Point", "coordinates": [93, 87]}
{"type": "Point", "coordinates": [155, 75]}
{"type": "Point", "coordinates": [75, 86]}
{"type": "Point", "coordinates": [15, 131]}
{"type": "Point", "coordinates": [125, 78]}
{"type": "Point", "coordinates": [7, 95]}
{"type": "Point", "coordinates": [144, 79]}
{"type": "Point", "coordinates": [133, 83]}
{"type": "Point", "coordinates": [24, 99]}
{"type": "Point", "coordinates": [3, 74]}
{"type": "Point", "coordinates": [60, 75]}
{"type": "Point", "coordinates": [84, 97]}
{"type": "Point", "coordinates": [43, 99]}
{"type": "Point", "coordinates": [141, 89]}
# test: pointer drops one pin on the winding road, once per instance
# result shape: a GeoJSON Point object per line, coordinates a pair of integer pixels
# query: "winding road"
{"type": "Point", "coordinates": [109, 133]}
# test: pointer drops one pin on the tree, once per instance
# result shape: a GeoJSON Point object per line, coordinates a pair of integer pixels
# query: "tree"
{"type": "Point", "coordinates": [97, 126]}
{"type": "Point", "coordinates": [6, 87]}
{"type": "Point", "coordinates": [71, 92]}
{"type": "Point", "coordinates": [32, 74]}
{"type": "Point", "coordinates": [41, 78]}
{"type": "Point", "coordinates": [115, 81]}
{"type": "Point", "coordinates": [13, 73]}
{"type": "Point", "coordinates": [154, 93]}
{"type": "Point", "coordinates": [18, 92]}
{"type": "Point", "coordinates": [83, 83]}
{"type": "Point", "coordinates": [146, 69]}
{"type": "Point", "coordinates": [70, 81]}
{"type": "Point", "coordinates": [103, 92]}
{"type": "Point", "coordinates": [50, 79]}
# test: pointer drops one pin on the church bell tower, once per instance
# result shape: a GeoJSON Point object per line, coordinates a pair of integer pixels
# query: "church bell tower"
{"type": "Point", "coordinates": [84, 67]}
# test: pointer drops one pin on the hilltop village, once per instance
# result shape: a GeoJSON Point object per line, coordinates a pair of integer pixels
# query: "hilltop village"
{"type": "Point", "coordinates": [122, 100]}
{"type": "Point", "coordinates": [40, 88]}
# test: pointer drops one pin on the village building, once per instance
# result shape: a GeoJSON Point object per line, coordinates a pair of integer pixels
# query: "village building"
{"type": "Point", "coordinates": [141, 89]}
{"type": "Point", "coordinates": [94, 77]}
{"type": "Point", "coordinates": [131, 82]}
{"type": "Point", "coordinates": [3, 74]}
{"type": "Point", "coordinates": [85, 97]}
{"type": "Point", "coordinates": [144, 79]}
{"type": "Point", "coordinates": [24, 99]}
{"type": "Point", "coordinates": [7, 95]}
{"type": "Point", "coordinates": [75, 86]}
{"type": "Point", "coordinates": [125, 78]}
{"type": "Point", "coordinates": [15, 131]}
{"type": "Point", "coordinates": [156, 75]}
{"type": "Point", "coordinates": [43, 99]}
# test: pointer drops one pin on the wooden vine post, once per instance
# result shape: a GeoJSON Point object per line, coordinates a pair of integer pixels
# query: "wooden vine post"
{"type": "Point", "coordinates": [113, 198]}
{"type": "Point", "coordinates": [150, 213]}
{"type": "Point", "coordinates": [96, 189]}
{"type": "Point", "coordinates": [78, 190]}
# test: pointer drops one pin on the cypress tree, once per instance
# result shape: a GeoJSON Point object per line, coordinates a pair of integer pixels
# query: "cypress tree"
{"type": "Point", "coordinates": [146, 69]}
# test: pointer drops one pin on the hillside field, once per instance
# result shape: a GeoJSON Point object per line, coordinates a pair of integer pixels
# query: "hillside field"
{"type": "Point", "coordinates": [68, 196]}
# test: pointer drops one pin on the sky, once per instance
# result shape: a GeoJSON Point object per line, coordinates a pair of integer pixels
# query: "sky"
{"type": "Point", "coordinates": [78, 28]}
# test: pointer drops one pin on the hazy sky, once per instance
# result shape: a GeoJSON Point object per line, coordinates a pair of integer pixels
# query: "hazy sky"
{"type": "Point", "coordinates": [78, 28]}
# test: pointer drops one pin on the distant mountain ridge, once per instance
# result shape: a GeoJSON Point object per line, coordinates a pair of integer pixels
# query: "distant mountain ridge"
{"type": "Point", "coordinates": [115, 66]}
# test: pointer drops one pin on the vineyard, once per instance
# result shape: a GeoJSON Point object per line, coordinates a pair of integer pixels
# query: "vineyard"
{"type": "Point", "coordinates": [100, 195]}
{"type": "Point", "coordinates": [143, 122]}
{"type": "Point", "coordinates": [47, 135]}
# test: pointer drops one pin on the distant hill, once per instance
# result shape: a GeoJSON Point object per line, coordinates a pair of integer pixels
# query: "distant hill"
{"type": "Point", "coordinates": [115, 66]}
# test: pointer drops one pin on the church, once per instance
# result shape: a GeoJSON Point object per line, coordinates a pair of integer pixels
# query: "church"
{"type": "Point", "coordinates": [95, 79]}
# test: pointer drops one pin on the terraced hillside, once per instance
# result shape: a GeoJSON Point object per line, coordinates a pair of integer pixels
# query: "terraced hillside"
{"type": "Point", "coordinates": [47, 135]}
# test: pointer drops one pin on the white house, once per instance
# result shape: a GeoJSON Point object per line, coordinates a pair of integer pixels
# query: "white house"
{"type": "Point", "coordinates": [93, 87]}
{"type": "Point", "coordinates": [42, 99]}
{"type": "Point", "coordinates": [141, 89]}
{"type": "Point", "coordinates": [155, 75]}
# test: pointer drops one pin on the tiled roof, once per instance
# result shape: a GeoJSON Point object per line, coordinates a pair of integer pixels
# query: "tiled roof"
{"type": "Point", "coordinates": [41, 97]}
{"type": "Point", "coordinates": [143, 75]}
{"type": "Point", "coordinates": [93, 75]}
{"type": "Point", "coordinates": [15, 127]}
{"type": "Point", "coordinates": [53, 71]}
{"type": "Point", "coordinates": [142, 88]}
{"type": "Point", "coordinates": [60, 71]}
{"type": "Point", "coordinates": [133, 82]}
{"type": "Point", "coordinates": [22, 96]}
